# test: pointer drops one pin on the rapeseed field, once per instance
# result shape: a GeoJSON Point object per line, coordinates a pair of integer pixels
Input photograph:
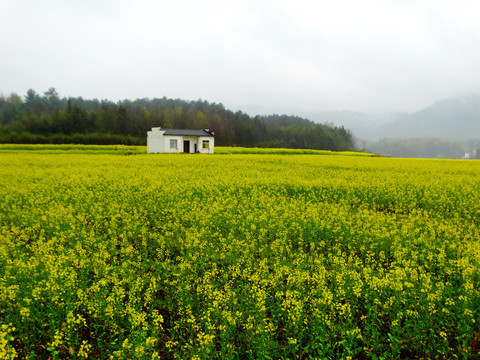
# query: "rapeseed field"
{"type": "Point", "coordinates": [241, 256]}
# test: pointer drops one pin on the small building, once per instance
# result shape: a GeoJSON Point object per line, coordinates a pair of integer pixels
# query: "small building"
{"type": "Point", "coordinates": [471, 155]}
{"type": "Point", "coordinates": [180, 141]}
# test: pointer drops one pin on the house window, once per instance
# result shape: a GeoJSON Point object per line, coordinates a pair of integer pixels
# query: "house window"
{"type": "Point", "coordinates": [206, 144]}
{"type": "Point", "coordinates": [173, 144]}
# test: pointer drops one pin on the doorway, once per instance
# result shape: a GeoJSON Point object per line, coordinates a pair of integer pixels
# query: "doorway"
{"type": "Point", "coordinates": [186, 146]}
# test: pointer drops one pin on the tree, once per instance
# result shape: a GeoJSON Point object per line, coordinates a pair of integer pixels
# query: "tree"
{"type": "Point", "coordinates": [10, 108]}
{"type": "Point", "coordinates": [51, 99]}
{"type": "Point", "coordinates": [122, 120]}
{"type": "Point", "coordinates": [33, 102]}
{"type": "Point", "coordinates": [51, 118]}
{"type": "Point", "coordinates": [77, 119]}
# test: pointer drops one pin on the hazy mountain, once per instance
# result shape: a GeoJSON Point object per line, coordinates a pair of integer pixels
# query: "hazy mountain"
{"type": "Point", "coordinates": [362, 125]}
{"type": "Point", "coordinates": [452, 117]}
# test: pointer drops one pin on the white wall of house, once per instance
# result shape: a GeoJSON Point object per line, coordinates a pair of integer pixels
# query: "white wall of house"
{"type": "Point", "coordinates": [202, 146]}
{"type": "Point", "coordinates": [173, 144]}
{"type": "Point", "coordinates": [158, 142]}
{"type": "Point", "coordinates": [155, 140]}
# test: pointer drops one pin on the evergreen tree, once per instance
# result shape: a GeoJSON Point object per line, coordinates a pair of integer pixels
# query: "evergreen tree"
{"type": "Point", "coordinates": [53, 119]}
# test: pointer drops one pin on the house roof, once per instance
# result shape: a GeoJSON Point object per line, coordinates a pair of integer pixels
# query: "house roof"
{"type": "Point", "coordinates": [187, 132]}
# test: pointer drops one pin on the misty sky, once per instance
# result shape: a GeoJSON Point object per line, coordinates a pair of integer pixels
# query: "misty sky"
{"type": "Point", "coordinates": [270, 56]}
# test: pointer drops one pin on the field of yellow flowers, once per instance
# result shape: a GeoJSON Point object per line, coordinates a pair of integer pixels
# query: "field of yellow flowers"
{"type": "Point", "coordinates": [241, 256]}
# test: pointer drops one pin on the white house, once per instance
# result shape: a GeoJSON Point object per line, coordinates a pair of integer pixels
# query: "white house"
{"type": "Point", "coordinates": [180, 141]}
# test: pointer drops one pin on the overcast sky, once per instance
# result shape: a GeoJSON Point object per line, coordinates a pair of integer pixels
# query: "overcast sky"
{"type": "Point", "coordinates": [270, 56]}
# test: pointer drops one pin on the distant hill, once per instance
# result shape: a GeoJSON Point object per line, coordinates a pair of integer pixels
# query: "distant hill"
{"type": "Point", "coordinates": [363, 126]}
{"type": "Point", "coordinates": [453, 117]}
{"type": "Point", "coordinates": [449, 128]}
{"type": "Point", "coordinates": [457, 116]}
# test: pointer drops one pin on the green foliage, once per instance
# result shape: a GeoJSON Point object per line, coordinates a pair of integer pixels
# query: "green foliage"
{"type": "Point", "coordinates": [60, 138]}
{"type": "Point", "coordinates": [41, 117]}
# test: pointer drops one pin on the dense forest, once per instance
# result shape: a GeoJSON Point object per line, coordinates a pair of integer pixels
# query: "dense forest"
{"type": "Point", "coordinates": [48, 118]}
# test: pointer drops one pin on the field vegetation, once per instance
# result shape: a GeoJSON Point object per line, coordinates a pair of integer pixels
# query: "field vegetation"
{"type": "Point", "coordinates": [242, 256]}
{"type": "Point", "coordinates": [132, 150]}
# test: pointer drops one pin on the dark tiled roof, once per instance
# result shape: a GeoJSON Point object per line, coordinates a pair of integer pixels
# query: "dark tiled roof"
{"type": "Point", "coordinates": [187, 132]}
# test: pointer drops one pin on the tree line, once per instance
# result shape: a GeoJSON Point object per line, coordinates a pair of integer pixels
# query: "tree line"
{"type": "Point", "coordinates": [49, 118]}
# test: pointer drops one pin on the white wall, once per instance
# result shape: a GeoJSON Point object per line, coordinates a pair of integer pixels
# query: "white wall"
{"type": "Point", "coordinates": [155, 140]}
{"type": "Point", "coordinates": [167, 139]}
{"type": "Point", "coordinates": [211, 148]}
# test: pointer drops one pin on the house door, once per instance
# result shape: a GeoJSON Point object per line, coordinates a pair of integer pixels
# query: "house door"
{"type": "Point", "coordinates": [186, 146]}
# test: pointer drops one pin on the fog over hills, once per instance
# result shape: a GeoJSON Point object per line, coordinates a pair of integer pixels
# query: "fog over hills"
{"type": "Point", "coordinates": [453, 117]}
{"type": "Point", "coordinates": [363, 125]}
{"type": "Point", "coordinates": [457, 116]}
{"type": "Point", "coordinates": [448, 128]}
